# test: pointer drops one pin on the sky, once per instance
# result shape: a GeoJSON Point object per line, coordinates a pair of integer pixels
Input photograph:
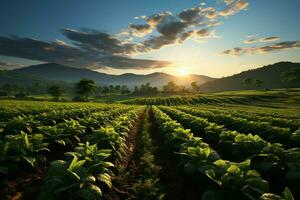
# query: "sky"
{"type": "Point", "coordinates": [215, 38]}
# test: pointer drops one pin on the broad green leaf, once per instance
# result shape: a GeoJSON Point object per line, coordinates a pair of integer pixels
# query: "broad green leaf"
{"type": "Point", "coordinates": [233, 169]}
{"type": "Point", "coordinates": [287, 194]}
{"type": "Point", "coordinates": [105, 178]}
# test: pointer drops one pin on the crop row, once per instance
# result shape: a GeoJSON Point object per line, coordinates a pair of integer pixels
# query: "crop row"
{"type": "Point", "coordinates": [29, 122]}
{"type": "Point", "coordinates": [103, 132]}
{"type": "Point", "coordinates": [217, 178]}
{"type": "Point", "coordinates": [27, 142]}
{"type": "Point", "coordinates": [265, 157]}
{"type": "Point", "coordinates": [9, 110]}
{"type": "Point", "coordinates": [293, 124]}
{"type": "Point", "coordinates": [86, 172]}
{"type": "Point", "coordinates": [263, 129]}
{"type": "Point", "coordinates": [188, 100]}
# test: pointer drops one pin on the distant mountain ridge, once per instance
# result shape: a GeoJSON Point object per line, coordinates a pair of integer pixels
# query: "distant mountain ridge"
{"type": "Point", "coordinates": [50, 73]}
{"type": "Point", "coordinates": [56, 72]}
{"type": "Point", "coordinates": [270, 75]}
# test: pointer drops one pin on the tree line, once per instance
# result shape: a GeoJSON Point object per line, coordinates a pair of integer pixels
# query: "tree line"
{"type": "Point", "coordinates": [85, 88]}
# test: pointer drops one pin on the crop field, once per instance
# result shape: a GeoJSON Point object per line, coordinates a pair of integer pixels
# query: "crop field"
{"type": "Point", "coordinates": [210, 148]}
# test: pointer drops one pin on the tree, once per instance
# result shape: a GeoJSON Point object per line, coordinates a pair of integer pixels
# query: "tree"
{"type": "Point", "coordinates": [136, 90]}
{"type": "Point", "coordinates": [258, 83]}
{"type": "Point", "coordinates": [292, 77]}
{"type": "Point", "coordinates": [145, 89]}
{"type": "Point", "coordinates": [105, 89]}
{"type": "Point", "coordinates": [195, 87]}
{"type": "Point", "coordinates": [248, 81]}
{"type": "Point", "coordinates": [8, 89]}
{"type": "Point", "coordinates": [55, 91]}
{"type": "Point", "coordinates": [171, 87]}
{"type": "Point", "coordinates": [124, 89]}
{"type": "Point", "coordinates": [85, 88]}
{"type": "Point", "coordinates": [118, 89]}
{"type": "Point", "coordinates": [111, 88]}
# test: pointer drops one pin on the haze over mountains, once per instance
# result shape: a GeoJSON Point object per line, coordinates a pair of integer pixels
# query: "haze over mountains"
{"type": "Point", "coordinates": [270, 75]}
{"type": "Point", "coordinates": [56, 72]}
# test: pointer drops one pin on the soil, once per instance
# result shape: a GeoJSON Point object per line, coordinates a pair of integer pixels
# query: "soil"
{"type": "Point", "coordinates": [26, 184]}
{"type": "Point", "coordinates": [25, 187]}
{"type": "Point", "coordinates": [122, 182]}
{"type": "Point", "coordinates": [178, 185]}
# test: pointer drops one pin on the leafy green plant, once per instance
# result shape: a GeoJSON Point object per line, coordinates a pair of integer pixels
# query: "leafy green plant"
{"type": "Point", "coordinates": [22, 148]}
{"type": "Point", "coordinates": [77, 179]}
{"type": "Point", "coordinates": [108, 138]}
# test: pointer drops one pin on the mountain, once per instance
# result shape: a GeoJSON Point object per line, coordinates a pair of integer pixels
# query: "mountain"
{"type": "Point", "coordinates": [56, 72]}
{"type": "Point", "coordinates": [270, 75]}
{"type": "Point", "coordinates": [11, 77]}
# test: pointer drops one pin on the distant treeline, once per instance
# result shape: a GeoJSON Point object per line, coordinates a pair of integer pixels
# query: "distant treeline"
{"type": "Point", "coordinates": [85, 88]}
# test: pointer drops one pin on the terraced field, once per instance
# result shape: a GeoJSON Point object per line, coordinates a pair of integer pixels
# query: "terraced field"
{"type": "Point", "coordinates": [116, 151]}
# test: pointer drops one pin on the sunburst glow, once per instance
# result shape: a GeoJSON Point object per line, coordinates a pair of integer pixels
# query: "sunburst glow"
{"type": "Point", "coordinates": [182, 71]}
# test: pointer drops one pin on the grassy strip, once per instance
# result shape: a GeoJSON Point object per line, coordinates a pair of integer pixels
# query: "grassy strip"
{"type": "Point", "coordinates": [147, 185]}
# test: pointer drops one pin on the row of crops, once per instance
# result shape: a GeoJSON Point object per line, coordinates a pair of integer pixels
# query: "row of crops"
{"type": "Point", "coordinates": [78, 147]}
{"type": "Point", "coordinates": [107, 151]}
{"type": "Point", "coordinates": [227, 156]}
{"type": "Point", "coordinates": [192, 100]}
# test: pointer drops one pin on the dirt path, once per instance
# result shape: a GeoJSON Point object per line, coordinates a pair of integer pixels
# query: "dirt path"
{"type": "Point", "coordinates": [122, 182]}
{"type": "Point", "coordinates": [178, 186]}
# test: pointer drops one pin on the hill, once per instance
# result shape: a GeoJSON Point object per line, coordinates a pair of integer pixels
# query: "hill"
{"type": "Point", "coordinates": [13, 77]}
{"type": "Point", "coordinates": [270, 75]}
{"type": "Point", "coordinates": [56, 72]}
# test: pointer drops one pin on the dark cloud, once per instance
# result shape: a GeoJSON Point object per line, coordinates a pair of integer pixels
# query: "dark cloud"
{"type": "Point", "coordinates": [263, 49]}
{"type": "Point", "coordinates": [263, 39]}
{"type": "Point", "coordinates": [269, 39]}
{"type": "Point", "coordinates": [103, 43]}
{"type": "Point", "coordinates": [191, 15]}
{"type": "Point", "coordinates": [250, 41]}
{"type": "Point", "coordinates": [156, 42]}
{"type": "Point", "coordinates": [37, 50]}
{"type": "Point", "coordinates": [170, 27]}
{"type": "Point", "coordinates": [233, 7]}
{"type": "Point", "coordinates": [174, 29]}
{"type": "Point", "coordinates": [82, 54]}
{"type": "Point", "coordinates": [140, 30]}
{"type": "Point", "coordinates": [95, 49]}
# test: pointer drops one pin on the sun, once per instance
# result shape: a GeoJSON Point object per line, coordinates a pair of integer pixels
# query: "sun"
{"type": "Point", "coordinates": [182, 71]}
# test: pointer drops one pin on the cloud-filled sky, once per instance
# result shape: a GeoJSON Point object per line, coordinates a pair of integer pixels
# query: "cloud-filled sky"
{"type": "Point", "coordinates": [215, 38]}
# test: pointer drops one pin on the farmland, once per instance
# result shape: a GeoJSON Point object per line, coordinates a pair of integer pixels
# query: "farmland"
{"type": "Point", "coordinates": [217, 146]}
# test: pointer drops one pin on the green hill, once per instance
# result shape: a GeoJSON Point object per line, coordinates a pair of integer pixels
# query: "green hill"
{"type": "Point", "coordinates": [270, 75]}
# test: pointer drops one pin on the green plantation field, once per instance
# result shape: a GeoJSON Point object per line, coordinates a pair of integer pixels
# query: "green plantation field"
{"type": "Point", "coordinates": [231, 145]}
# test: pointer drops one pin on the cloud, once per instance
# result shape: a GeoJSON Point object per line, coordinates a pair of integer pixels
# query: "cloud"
{"type": "Point", "coordinates": [92, 40]}
{"type": "Point", "coordinates": [263, 39]}
{"type": "Point", "coordinates": [176, 28]}
{"type": "Point", "coordinates": [233, 7]}
{"type": "Point", "coordinates": [191, 15]}
{"type": "Point", "coordinates": [280, 46]}
{"type": "Point", "coordinates": [153, 20]}
{"type": "Point", "coordinates": [228, 1]}
{"type": "Point", "coordinates": [170, 27]}
{"type": "Point", "coordinates": [140, 30]}
{"type": "Point", "coordinates": [250, 41]}
{"type": "Point", "coordinates": [140, 17]}
{"type": "Point", "coordinates": [269, 39]}
{"type": "Point", "coordinates": [94, 49]}
{"type": "Point", "coordinates": [86, 52]}
{"type": "Point", "coordinates": [8, 65]}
